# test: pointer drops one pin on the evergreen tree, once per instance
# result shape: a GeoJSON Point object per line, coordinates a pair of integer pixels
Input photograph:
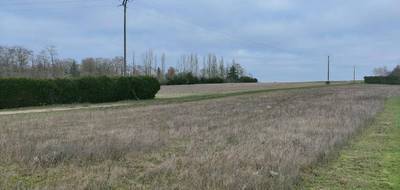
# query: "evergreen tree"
{"type": "Point", "coordinates": [74, 70]}
{"type": "Point", "coordinates": [233, 74]}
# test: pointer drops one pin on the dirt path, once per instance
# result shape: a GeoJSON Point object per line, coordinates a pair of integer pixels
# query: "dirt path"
{"type": "Point", "coordinates": [56, 109]}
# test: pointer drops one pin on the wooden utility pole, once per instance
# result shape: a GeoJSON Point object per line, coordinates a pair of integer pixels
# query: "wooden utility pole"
{"type": "Point", "coordinates": [125, 3]}
{"type": "Point", "coordinates": [329, 71]}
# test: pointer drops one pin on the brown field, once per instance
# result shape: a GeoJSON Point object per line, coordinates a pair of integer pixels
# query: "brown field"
{"type": "Point", "coordinates": [257, 141]}
{"type": "Point", "coordinates": [204, 89]}
{"type": "Point", "coordinates": [173, 92]}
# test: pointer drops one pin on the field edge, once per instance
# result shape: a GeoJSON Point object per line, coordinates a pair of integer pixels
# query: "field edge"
{"type": "Point", "coordinates": [370, 161]}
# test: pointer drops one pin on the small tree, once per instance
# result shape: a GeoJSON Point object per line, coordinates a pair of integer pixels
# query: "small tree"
{"type": "Point", "coordinates": [159, 74]}
{"type": "Point", "coordinates": [233, 75]}
{"type": "Point", "coordinates": [171, 73]}
{"type": "Point", "coordinates": [74, 70]}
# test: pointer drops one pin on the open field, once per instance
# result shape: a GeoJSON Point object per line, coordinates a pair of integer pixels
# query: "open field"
{"type": "Point", "coordinates": [253, 141]}
{"type": "Point", "coordinates": [372, 161]}
{"type": "Point", "coordinates": [177, 94]}
{"type": "Point", "coordinates": [204, 89]}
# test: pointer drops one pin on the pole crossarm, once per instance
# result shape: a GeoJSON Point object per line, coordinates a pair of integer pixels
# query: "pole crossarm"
{"type": "Point", "coordinates": [124, 3]}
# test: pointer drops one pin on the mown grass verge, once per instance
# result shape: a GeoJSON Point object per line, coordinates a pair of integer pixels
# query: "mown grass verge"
{"type": "Point", "coordinates": [372, 161]}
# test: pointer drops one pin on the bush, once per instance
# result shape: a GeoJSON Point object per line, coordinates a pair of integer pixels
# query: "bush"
{"type": "Point", "coordinates": [36, 92]}
{"type": "Point", "coordinates": [144, 87]}
{"type": "Point", "coordinates": [246, 79]}
{"type": "Point", "coordinates": [382, 80]}
{"type": "Point", "coordinates": [214, 80]}
{"type": "Point", "coordinates": [183, 78]}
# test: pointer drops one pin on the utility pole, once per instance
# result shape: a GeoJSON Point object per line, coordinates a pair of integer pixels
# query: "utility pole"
{"type": "Point", "coordinates": [133, 64]}
{"type": "Point", "coordinates": [329, 71]}
{"type": "Point", "coordinates": [354, 74]}
{"type": "Point", "coordinates": [125, 3]}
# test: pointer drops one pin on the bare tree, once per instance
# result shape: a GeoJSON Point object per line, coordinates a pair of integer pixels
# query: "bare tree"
{"type": "Point", "coordinates": [381, 71]}
{"type": "Point", "coordinates": [23, 56]}
{"type": "Point", "coordinates": [396, 71]}
{"type": "Point", "coordinates": [88, 67]}
{"type": "Point", "coordinates": [163, 59]}
{"type": "Point", "coordinates": [171, 73]}
{"type": "Point", "coordinates": [222, 68]}
{"type": "Point", "coordinates": [148, 62]}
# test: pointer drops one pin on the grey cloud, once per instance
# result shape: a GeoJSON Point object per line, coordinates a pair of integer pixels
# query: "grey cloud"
{"type": "Point", "coordinates": [283, 40]}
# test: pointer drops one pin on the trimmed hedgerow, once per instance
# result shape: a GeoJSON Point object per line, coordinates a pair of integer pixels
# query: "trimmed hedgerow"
{"type": "Point", "coordinates": [183, 78]}
{"type": "Point", "coordinates": [382, 80]}
{"type": "Point", "coordinates": [189, 78]}
{"type": "Point", "coordinates": [214, 80]}
{"type": "Point", "coordinates": [21, 92]}
{"type": "Point", "coordinates": [246, 79]}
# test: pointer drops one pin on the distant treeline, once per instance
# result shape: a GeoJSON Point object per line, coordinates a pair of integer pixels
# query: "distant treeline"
{"type": "Point", "coordinates": [20, 62]}
{"type": "Point", "coordinates": [188, 78]}
{"type": "Point", "coordinates": [383, 76]}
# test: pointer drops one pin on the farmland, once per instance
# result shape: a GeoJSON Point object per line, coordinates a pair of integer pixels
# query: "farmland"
{"type": "Point", "coordinates": [178, 94]}
{"type": "Point", "coordinates": [260, 140]}
{"type": "Point", "coordinates": [206, 89]}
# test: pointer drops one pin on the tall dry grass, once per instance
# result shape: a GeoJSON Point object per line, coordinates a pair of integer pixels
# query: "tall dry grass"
{"type": "Point", "coordinates": [260, 141]}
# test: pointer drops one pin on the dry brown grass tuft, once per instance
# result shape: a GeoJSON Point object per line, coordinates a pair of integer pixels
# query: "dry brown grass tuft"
{"type": "Point", "coordinates": [259, 141]}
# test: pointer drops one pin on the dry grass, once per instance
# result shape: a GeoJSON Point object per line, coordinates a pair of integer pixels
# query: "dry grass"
{"type": "Point", "coordinates": [259, 141]}
{"type": "Point", "coordinates": [204, 89]}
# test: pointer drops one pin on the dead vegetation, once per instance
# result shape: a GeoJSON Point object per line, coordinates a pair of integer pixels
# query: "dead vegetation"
{"type": "Point", "coordinates": [259, 141]}
{"type": "Point", "coordinates": [201, 89]}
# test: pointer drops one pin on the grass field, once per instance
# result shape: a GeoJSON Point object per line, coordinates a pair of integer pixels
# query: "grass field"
{"type": "Point", "coordinates": [371, 161]}
{"type": "Point", "coordinates": [258, 140]}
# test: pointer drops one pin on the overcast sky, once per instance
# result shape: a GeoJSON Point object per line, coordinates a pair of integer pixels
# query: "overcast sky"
{"type": "Point", "coordinates": [276, 40]}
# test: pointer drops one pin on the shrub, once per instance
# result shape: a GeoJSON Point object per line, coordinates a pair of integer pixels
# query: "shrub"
{"type": "Point", "coordinates": [382, 80]}
{"type": "Point", "coordinates": [144, 87]}
{"type": "Point", "coordinates": [246, 79]}
{"type": "Point", "coordinates": [21, 92]}
{"type": "Point", "coordinates": [183, 78]}
{"type": "Point", "coordinates": [214, 80]}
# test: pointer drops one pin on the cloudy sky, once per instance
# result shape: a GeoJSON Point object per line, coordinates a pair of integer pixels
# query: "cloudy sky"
{"type": "Point", "coordinates": [276, 40]}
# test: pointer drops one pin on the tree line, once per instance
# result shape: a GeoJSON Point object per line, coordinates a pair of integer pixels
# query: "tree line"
{"type": "Point", "coordinates": [20, 62]}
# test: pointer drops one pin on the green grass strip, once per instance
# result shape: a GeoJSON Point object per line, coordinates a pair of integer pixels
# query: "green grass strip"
{"type": "Point", "coordinates": [372, 161]}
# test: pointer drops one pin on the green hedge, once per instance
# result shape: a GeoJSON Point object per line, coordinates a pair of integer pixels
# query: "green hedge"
{"type": "Point", "coordinates": [248, 80]}
{"type": "Point", "coordinates": [23, 92]}
{"type": "Point", "coordinates": [189, 78]}
{"type": "Point", "coordinates": [382, 80]}
{"type": "Point", "coordinates": [183, 78]}
{"type": "Point", "coordinates": [214, 80]}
